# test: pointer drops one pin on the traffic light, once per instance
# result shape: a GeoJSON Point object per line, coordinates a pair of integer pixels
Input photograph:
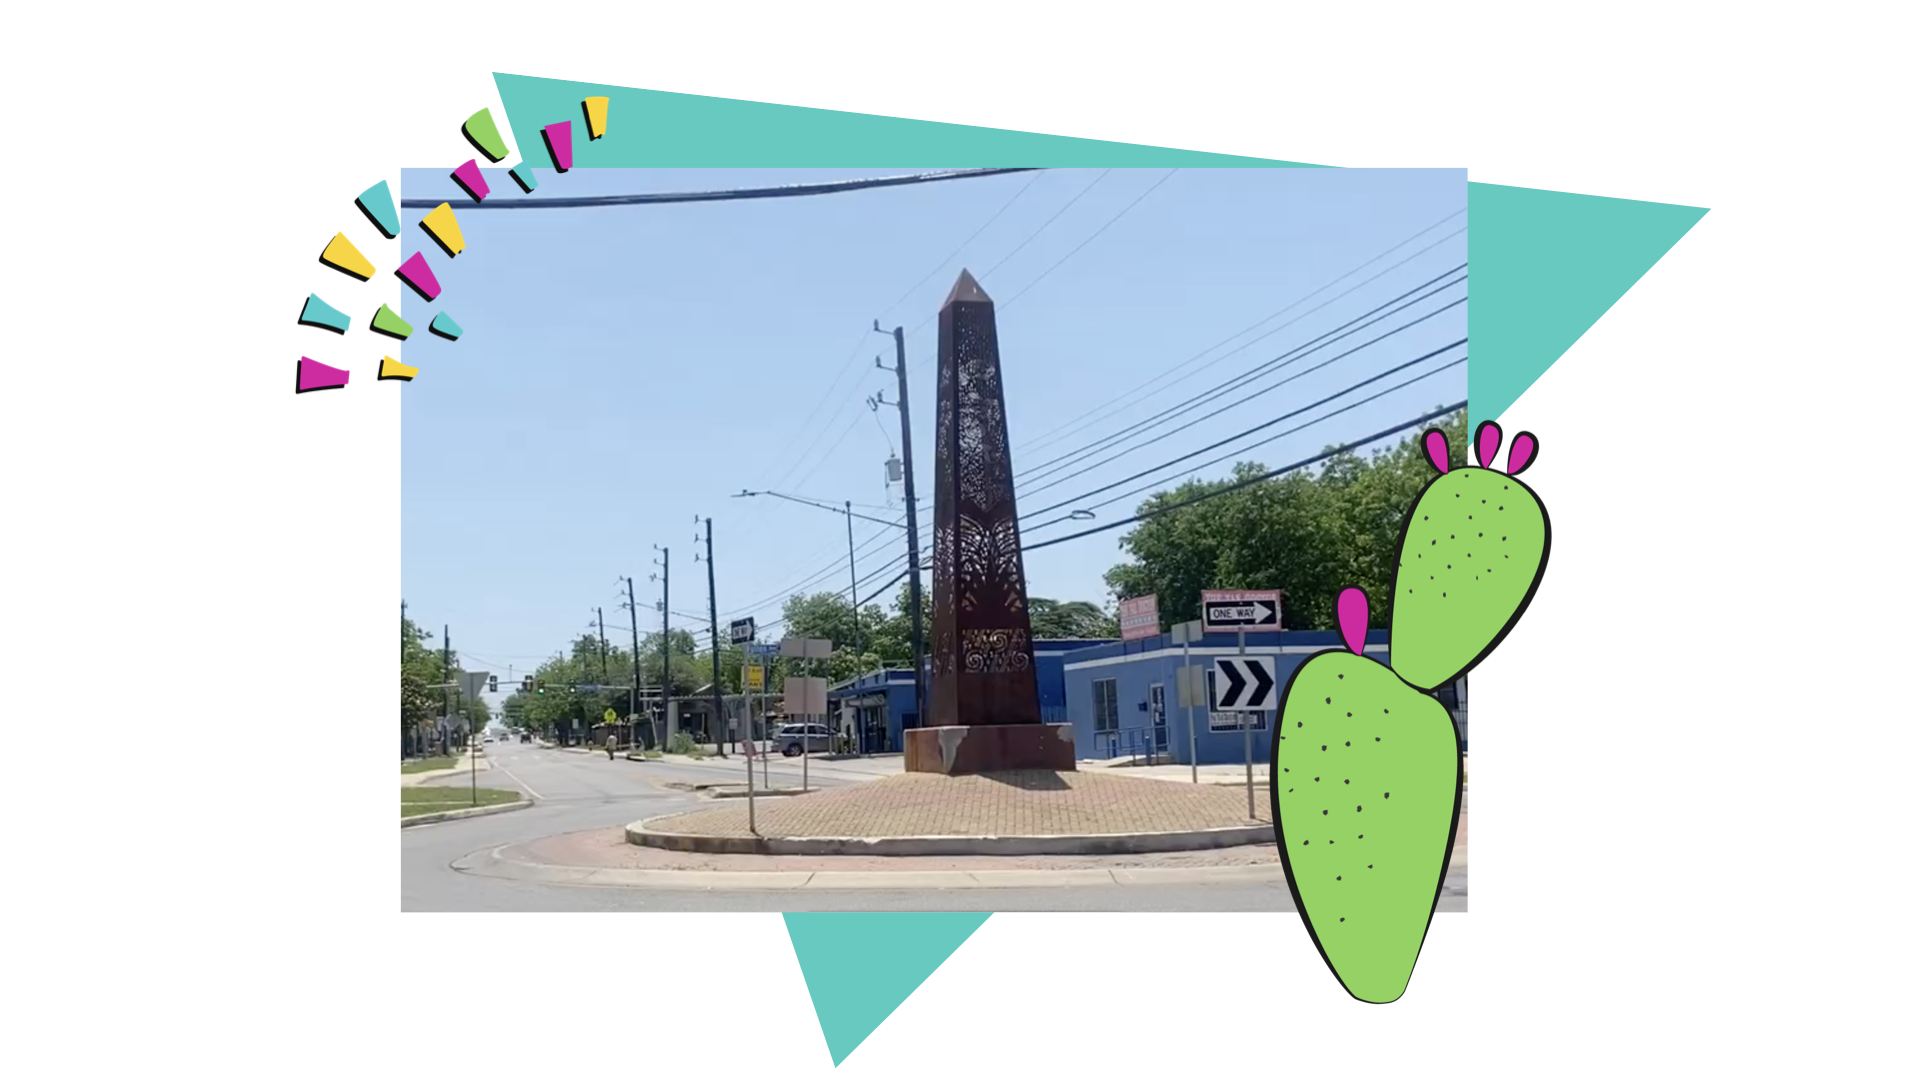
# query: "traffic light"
{"type": "Point", "coordinates": [493, 684]}
{"type": "Point", "coordinates": [539, 686]}
{"type": "Point", "coordinates": [526, 685]}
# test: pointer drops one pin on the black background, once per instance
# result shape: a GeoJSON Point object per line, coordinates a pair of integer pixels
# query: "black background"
{"type": "Point", "coordinates": [1095, 990]}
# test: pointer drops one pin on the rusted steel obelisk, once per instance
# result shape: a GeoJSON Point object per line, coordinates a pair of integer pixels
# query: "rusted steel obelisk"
{"type": "Point", "coordinates": [985, 712]}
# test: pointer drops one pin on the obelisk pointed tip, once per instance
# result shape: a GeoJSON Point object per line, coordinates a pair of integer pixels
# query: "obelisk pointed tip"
{"type": "Point", "coordinates": [967, 290]}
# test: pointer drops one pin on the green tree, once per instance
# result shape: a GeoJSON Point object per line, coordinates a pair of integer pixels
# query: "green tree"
{"type": "Point", "coordinates": [415, 706]}
{"type": "Point", "coordinates": [1072, 619]}
{"type": "Point", "coordinates": [1308, 534]}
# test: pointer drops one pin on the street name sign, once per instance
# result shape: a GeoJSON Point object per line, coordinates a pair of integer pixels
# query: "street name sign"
{"type": "Point", "coordinates": [1228, 610]}
{"type": "Point", "coordinates": [741, 631]}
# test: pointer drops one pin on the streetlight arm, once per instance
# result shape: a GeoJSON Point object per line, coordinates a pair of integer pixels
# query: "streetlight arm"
{"type": "Point", "coordinates": [823, 506]}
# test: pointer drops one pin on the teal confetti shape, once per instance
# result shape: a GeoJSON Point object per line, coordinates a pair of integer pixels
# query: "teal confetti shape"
{"type": "Point", "coordinates": [859, 966]}
{"type": "Point", "coordinates": [445, 327]}
{"type": "Point", "coordinates": [318, 312]}
{"type": "Point", "coordinates": [523, 175]}
{"type": "Point", "coordinates": [377, 203]}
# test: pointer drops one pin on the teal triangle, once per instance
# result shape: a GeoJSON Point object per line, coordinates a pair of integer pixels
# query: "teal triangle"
{"type": "Point", "coordinates": [377, 203]}
{"type": "Point", "coordinates": [318, 312]}
{"type": "Point", "coordinates": [444, 325]}
{"type": "Point", "coordinates": [860, 966]}
{"type": "Point", "coordinates": [1546, 266]}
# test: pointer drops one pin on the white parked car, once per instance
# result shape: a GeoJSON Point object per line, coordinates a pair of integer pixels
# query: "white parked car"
{"type": "Point", "coordinates": [818, 739]}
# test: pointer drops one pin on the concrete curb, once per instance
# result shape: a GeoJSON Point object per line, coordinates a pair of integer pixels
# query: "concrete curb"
{"type": "Point", "coordinates": [1098, 844]}
{"type": "Point", "coordinates": [491, 864]}
{"type": "Point", "coordinates": [471, 811]}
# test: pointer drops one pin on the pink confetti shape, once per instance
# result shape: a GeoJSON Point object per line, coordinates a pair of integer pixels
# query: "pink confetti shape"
{"type": "Point", "coordinates": [418, 274]}
{"type": "Point", "coordinates": [560, 144]}
{"type": "Point", "coordinates": [1351, 612]}
{"type": "Point", "coordinates": [1487, 443]}
{"type": "Point", "coordinates": [1436, 447]}
{"type": "Point", "coordinates": [1525, 448]}
{"type": "Point", "coordinates": [315, 375]}
{"type": "Point", "coordinates": [470, 178]}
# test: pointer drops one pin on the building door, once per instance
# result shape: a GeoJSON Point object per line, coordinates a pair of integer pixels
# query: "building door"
{"type": "Point", "coordinates": [1157, 707]}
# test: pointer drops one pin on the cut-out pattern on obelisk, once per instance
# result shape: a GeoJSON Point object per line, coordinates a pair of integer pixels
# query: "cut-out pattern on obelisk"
{"type": "Point", "coordinates": [983, 669]}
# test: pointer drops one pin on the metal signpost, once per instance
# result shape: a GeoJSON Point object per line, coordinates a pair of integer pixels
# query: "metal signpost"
{"type": "Point", "coordinates": [765, 655]}
{"type": "Point", "coordinates": [813, 693]}
{"type": "Point", "coordinates": [1241, 610]}
{"type": "Point", "coordinates": [740, 631]}
{"type": "Point", "coordinates": [1184, 634]}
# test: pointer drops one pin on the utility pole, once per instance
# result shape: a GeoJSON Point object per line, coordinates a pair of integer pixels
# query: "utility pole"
{"type": "Point", "coordinates": [602, 619]}
{"type": "Point", "coordinates": [853, 582]}
{"type": "Point", "coordinates": [406, 737]}
{"type": "Point", "coordinates": [666, 638]}
{"type": "Point", "coordinates": [446, 678]}
{"type": "Point", "coordinates": [913, 520]}
{"type": "Point", "coordinates": [713, 646]}
{"type": "Point", "coordinates": [633, 702]}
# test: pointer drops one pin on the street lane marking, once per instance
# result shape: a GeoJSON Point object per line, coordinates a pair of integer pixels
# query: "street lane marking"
{"type": "Point", "coordinates": [522, 783]}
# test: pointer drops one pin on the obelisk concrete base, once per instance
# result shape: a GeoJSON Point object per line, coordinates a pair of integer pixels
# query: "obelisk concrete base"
{"type": "Point", "coordinates": [985, 748]}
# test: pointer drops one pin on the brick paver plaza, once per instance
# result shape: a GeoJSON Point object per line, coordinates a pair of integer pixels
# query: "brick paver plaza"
{"type": "Point", "coordinates": [1036, 803]}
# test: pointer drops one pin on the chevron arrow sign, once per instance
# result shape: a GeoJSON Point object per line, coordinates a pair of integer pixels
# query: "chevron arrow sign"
{"type": "Point", "coordinates": [1242, 684]}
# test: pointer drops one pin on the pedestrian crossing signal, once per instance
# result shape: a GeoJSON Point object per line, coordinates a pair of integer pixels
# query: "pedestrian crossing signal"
{"type": "Point", "coordinates": [493, 684]}
{"type": "Point", "coordinates": [526, 685]}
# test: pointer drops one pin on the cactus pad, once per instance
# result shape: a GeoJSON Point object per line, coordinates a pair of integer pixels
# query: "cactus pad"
{"type": "Point", "coordinates": [1365, 783]}
{"type": "Point", "coordinates": [1471, 555]}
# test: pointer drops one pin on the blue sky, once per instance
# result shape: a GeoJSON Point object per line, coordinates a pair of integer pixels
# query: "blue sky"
{"type": "Point", "coordinates": [626, 369]}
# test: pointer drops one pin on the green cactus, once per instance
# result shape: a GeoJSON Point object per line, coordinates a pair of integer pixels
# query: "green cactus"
{"type": "Point", "coordinates": [1471, 555]}
{"type": "Point", "coordinates": [1365, 783]}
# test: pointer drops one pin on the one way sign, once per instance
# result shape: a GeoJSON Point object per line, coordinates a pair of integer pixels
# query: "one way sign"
{"type": "Point", "coordinates": [1242, 684]}
{"type": "Point", "coordinates": [1227, 610]}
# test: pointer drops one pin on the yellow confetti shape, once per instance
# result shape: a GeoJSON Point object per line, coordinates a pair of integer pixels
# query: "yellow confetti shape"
{"type": "Point", "coordinates": [394, 369]}
{"type": "Point", "coordinates": [445, 228]}
{"type": "Point", "coordinates": [344, 257]}
{"type": "Point", "coordinates": [596, 116]}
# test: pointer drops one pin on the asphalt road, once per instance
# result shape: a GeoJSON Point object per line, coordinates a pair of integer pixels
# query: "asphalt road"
{"type": "Point", "coordinates": [586, 791]}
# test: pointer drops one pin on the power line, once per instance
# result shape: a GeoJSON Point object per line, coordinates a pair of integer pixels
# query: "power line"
{"type": "Point", "coordinates": [1096, 235]}
{"type": "Point", "coordinates": [1285, 358]}
{"type": "Point", "coordinates": [951, 255]}
{"type": "Point", "coordinates": [1250, 481]}
{"type": "Point", "coordinates": [1022, 245]}
{"type": "Point", "coordinates": [656, 198]}
{"type": "Point", "coordinates": [1196, 403]}
{"type": "Point", "coordinates": [811, 578]}
{"type": "Point", "coordinates": [860, 346]}
{"type": "Point", "coordinates": [1043, 225]}
{"type": "Point", "coordinates": [1201, 399]}
{"type": "Point", "coordinates": [980, 277]}
{"type": "Point", "coordinates": [1290, 431]}
{"type": "Point", "coordinates": [1080, 422]}
{"type": "Point", "coordinates": [1257, 427]}
{"type": "Point", "coordinates": [826, 457]}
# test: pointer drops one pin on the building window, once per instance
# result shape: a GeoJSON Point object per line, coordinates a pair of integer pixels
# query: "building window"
{"type": "Point", "coordinates": [1106, 705]}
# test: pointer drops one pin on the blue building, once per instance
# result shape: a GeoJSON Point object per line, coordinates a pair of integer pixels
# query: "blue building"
{"type": "Point", "coordinates": [875, 708]}
{"type": "Point", "coordinates": [1122, 697]}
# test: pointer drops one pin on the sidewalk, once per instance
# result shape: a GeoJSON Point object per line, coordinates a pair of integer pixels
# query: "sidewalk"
{"type": "Point", "coordinates": [411, 779]}
{"type": "Point", "coordinates": [878, 766]}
